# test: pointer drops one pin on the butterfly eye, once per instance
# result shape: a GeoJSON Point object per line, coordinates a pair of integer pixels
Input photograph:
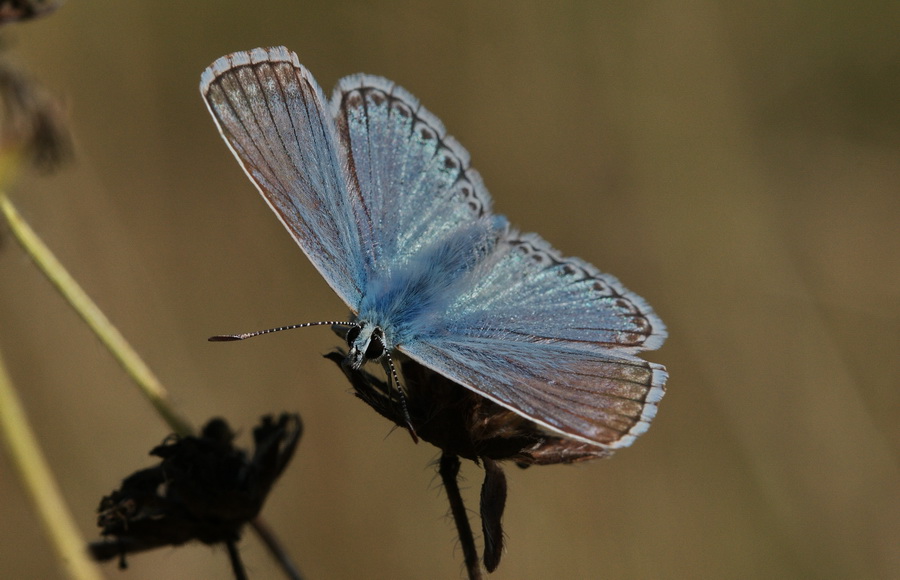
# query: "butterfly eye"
{"type": "Point", "coordinates": [353, 334]}
{"type": "Point", "coordinates": [376, 347]}
{"type": "Point", "coordinates": [374, 350]}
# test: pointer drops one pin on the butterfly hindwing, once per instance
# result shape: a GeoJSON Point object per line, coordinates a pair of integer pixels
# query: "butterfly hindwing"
{"type": "Point", "coordinates": [528, 292]}
{"type": "Point", "coordinates": [553, 339]}
{"type": "Point", "coordinates": [274, 117]}
{"type": "Point", "coordinates": [602, 399]}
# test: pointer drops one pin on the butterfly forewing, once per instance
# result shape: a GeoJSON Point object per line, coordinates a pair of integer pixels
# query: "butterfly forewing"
{"type": "Point", "coordinates": [273, 115]}
{"type": "Point", "coordinates": [415, 182]}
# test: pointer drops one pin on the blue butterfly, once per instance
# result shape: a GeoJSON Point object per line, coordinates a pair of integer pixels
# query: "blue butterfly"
{"type": "Point", "coordinates": [387, 207]}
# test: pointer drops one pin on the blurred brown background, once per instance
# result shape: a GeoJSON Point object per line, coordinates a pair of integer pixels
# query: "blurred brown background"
{"type": "Point", "coordinates": [736, 165]}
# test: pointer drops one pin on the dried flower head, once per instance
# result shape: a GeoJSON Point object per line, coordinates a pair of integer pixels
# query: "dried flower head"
{"type": "Point", "coordinates": [204, 489]}
{"type": "Point", "coordinates": [462, 423]}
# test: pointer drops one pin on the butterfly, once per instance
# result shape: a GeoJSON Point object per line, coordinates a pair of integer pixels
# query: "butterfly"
{"type": "Point", "coordinates": [387, 207]}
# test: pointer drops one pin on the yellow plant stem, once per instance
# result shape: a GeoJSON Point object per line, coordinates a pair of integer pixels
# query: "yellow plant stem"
{"type": "Point", "coordinates": [26, 456]}
{"type": "Point", "coordinates": [85, 307]}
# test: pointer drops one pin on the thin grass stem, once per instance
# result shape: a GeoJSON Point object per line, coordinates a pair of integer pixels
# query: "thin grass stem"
{"type": "Point", "coordinates": [108, 334]}
{"type": "Point", "coordinates": [37, 479]}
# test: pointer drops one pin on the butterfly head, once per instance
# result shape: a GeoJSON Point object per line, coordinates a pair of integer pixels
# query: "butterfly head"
{"type": "Point", "coordinates": [366, 342]}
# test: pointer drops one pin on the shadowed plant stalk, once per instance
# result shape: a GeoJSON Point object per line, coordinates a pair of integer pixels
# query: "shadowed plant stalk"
{"type": "Point", "coordinates": [131, 362]}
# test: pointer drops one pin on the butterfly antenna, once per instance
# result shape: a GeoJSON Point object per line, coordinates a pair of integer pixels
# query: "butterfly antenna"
{"type": "Point", "coordinates": [403, 406]}
{"type": "Point", "coordinates": [230, 337]}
